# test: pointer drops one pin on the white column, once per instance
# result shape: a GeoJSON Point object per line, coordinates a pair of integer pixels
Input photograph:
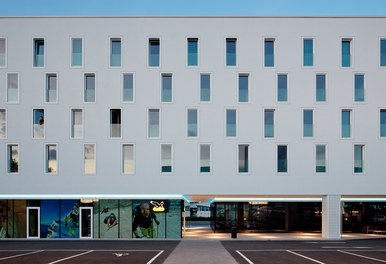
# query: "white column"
{"type": "Point", "coordinates": [331, 217]}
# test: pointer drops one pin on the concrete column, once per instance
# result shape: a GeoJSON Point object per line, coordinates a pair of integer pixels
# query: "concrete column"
{"type": "Point", "coordinates": [331, 217]}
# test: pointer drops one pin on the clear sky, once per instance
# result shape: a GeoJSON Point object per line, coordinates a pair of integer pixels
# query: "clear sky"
{"type": "Point", "coordinates": [192, 7]}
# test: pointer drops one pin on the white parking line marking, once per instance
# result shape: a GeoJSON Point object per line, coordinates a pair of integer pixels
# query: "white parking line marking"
{"type": "Point", "coordinates": [156, 256]}
{"type": "Point", "coordinates": [60, 260]}
{"type": "Point", "coordinates": [361, 256]}
{"type": "Point", "coordinates": [20, 255]}
{"type": "Point", "coordinates": [300, 255]}
{"type": "Point", "coordinates": [244, 257]}
{"type": "Point", "coordinates": [348, 247]}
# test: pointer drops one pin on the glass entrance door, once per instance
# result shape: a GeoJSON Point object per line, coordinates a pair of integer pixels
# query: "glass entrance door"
{"type": "Point", "coordinates": [33, 222]}
{"type": "Point", "coordinates": [85, 225]}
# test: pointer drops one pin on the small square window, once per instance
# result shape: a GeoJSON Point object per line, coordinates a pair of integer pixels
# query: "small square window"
{"type": "Point", "coordinates": [38, 59]}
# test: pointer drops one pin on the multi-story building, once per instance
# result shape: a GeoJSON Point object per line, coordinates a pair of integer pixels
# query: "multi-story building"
{"type": "Point", "coordinates": [281, 120]}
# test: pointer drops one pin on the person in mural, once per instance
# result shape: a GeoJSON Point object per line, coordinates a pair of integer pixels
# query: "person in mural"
{"type": "Point", "coordinates": [110, 221]}
{"type": "Point", "coordinates": [143, 219]}
{"type": "Point", "coordinates": [71, 220]}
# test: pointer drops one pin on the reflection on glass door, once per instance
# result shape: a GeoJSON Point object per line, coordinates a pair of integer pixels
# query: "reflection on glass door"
{"type": "Point", "coordinates": [85, 224]}
{"type": "Point", "coordinates": [33, 222]}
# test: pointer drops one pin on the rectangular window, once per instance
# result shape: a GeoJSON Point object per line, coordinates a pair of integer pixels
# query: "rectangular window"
{"type": "Point", "coordinates": [128, 164]}
{"type": "Point", "coordinates": [231, 123]}
{"type": "Point", "coordinates": [205, 91]}
{"type": "Point", "coordinates": [320, 81]}
{"type": "Point", "coordinates": [38, 123]}
{"type": "Point", "coordinates": [51, 158]}
{"type": "Point", "coordinates": [154, 52]}
{"type": "Point", "coordinates": [243, 158]}
{"type": "Point", "coordinates": [320, 159]}
{"type": "Point", "coordinates": [166, 158]}
{"type": "Point", "coordinates": [89, 88]}
{"type": "Point", "coordinates": [166, 88]}
{"type": "Point", "coordinates": [243, 88]}
{"type": "Point", "coordinates": [382, 52]}
{"type": "Point", "coordinates": [115, 52]}
{"type": "Point", "coordinates": [128, 87]}
{"type": "Point", "coordinates": [115, 123]}
{"type": "Point", "coordinates": [89, 154]}
{"type": "Point", "coordinates": [282, 88]}
{"type": "Point", "coordinates": [13, 158]}
{"type": "Point", "coordinates": [346, 53]}
{"type": "Point", "coordinates": [38, 52]}
{"type": "Point", "coordinates": [231, 51]}
{"type": "Point", "coordinates": [308, 52]}
{"type": "Point", "coordinates": [76, 52]}
{"type": "Point", "coordinates": [192, 130]}
{"type": "Point", "coordinates": [359, 87]}
{"type": "Point", "coordinates": [382, 122]}
{"type": "Point", "coordinates": [359, 158]}
{"type": "Point", "coordinates": [269, 123]}
{"type": "Point", "coordinates": [154, 123]}
{"type": "Point", "coordinates": [192, 51]}
{"type": "Point", "coordinates": [51, 88]}
{"type": "Point", "coordinates": [308, 123]}
{"type": "Point", "coordinates": [282, 158]}
{"type": "Point", "coordinates": [3, 52]}
{"type": "Point", "coordinates": [205, 158]}
{"type": "Point", "coordinates": [3, 123]}
{"type": "Point", "coordinates": [76, 123]}
{"type": "Point", "coordinates": [269, 52]}
{"type": "Point", "coordinates": [12, 87]}
{"type": "Point", "coordinates": [346, 123]}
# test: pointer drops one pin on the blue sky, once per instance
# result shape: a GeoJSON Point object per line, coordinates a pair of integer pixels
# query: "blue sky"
{"type": "Point", "coordinates": [193, 8]}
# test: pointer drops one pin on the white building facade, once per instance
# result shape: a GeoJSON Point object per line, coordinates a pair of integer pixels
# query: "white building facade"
{"type": "Point", "coordinates": [288, 109]}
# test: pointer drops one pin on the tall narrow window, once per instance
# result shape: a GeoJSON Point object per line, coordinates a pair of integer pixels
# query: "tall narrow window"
{"type": "Point", "coordinates": [231, 123]}
{"type": "Point", "coordinates": [128, 164]}
{"type": "Point", "coordinates": [166, 158]}
{"type": "Point", "coordinates": [192, 51]}
{"type": "Point", "coordinates": [38, 123]}
{"type": "Point", "coordinates": [282, 158]}
{"type": "Point", "coordinates": [346, 123]}
{"type": "Point", "coordinates": [382, 52]}
{"type": "Point", "coordinates": [115, 123]}
{"type": "Point", "coordinates": [76, 52]}
{"type": "Point", "coordinates": [359, 87]}
{"type": "Point", "coordinates": [320, 81]}
{"type": "Point", "coordinates": [12, 87]}
{"type": "Point", "coordinates": [320, 159]}
{"type": "Point", "coordinates": [166, 88]}
{"type": "Point", "coordinates": [13, 158]}
{"type": "Point", "coordinates": [89, 88]}
{"type": "Point", "coordinates": [38, 52]}
{"type": "Point", "coordinates": [269, 123]}
{"type": "Point", "coordinates": [231, 51]}
{"type": "Point", "coordinates": [269, 52]}
{"type": "Point", "coordinates": [205, 91]}
{"type": "Point", "coordinates": [192, 123]}
{"type": "Point", "coordinates": [382, 122]}
{"type": "Point", "coordinates": [115, 52]}
{"type": "Point", "coordinates": [243, 158]}
{"type": "Point", "coordinates": [128, 87]}
{"type": "Point", "coordinates": [76, 123]}
{"type": "Point", "coordinates": [308, 123]}
{"type": "Point", "coordinates": [3, 52]}
{"type": "Point", "coordinates": [308, 52]}
{"type": "Point", "coordinates": [154, 52]}
{"type": "Point", "coordinates": [154, 123]}
{"type": "Point", "coordinates": [51, 158]}
{"type": "Point", "coordinates": [51, 88]}
{"type": "Point", "coordinates": [243, 88]}
{"type": "Point", "coordinates": [205, 158]}
{"type": "Point", "coordinates": [359, 158]}
{"type": "Point", "coordinates": [89, 154]}
{"type": "Point", "coordinates": [282, 88]}
{"type": "Point", "coordinates": [3, 123]}
{"type": "Point", "coordinates": [346, 53]}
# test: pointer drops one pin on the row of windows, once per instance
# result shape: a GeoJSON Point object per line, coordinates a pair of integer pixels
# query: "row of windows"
{"type": "Point", "coordinates": [192, 49]}
{"type": "Point", "coordinates": [192, 123]}
{"type": "Point", "coordinates": [166, 158]}
{"type": "Point", "coordinates": [166, 87]}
